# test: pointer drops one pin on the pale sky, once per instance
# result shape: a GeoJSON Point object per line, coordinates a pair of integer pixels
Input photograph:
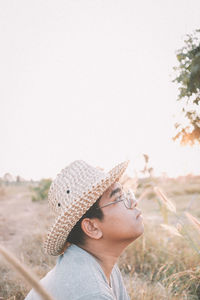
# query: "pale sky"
{"type": "Point", "coordinates": [91, 80]}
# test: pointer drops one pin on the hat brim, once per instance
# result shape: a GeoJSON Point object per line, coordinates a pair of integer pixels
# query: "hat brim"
{"type": "Point", "coordinates": [55, 242]}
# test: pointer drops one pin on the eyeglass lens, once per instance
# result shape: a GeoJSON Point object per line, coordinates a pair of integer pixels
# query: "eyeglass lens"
{"type": "Point", "coordinates": [130, 201]}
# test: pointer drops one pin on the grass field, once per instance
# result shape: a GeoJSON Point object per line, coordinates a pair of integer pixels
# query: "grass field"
{"type": "Point", "coordinates": [164, 263]}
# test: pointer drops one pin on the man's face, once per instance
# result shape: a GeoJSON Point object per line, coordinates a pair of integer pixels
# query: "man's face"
{"type": "Point", "coordinates": [119, 223]}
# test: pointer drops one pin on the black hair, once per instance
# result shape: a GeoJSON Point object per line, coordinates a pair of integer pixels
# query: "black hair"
{"type": "Point", "coordinates": [76, 235]}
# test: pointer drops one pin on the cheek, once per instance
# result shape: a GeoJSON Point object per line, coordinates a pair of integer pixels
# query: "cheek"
{"type": "Point", "coordinates": [119, 222]}
{"type": "Point", "coordinates": [122, 225]}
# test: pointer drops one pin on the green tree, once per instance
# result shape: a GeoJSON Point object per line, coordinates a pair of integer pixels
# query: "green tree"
{"type": "Point", "coordinates": [188, 79]}
{"type": "Point", "coordinates": [41, 191]}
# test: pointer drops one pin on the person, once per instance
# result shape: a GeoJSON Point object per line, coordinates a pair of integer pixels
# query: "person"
{"type": "Point", "coordinates": [97, 218]}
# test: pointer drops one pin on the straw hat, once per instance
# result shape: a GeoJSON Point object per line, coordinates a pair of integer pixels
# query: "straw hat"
{"type": "Point", "coordinates": [75, 189]}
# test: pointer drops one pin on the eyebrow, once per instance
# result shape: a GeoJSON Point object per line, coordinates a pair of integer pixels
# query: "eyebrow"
{"type": "Point", "coordinates": [115, 191]}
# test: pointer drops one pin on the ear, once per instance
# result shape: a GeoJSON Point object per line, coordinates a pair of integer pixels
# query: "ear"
{"type": "Point", "coordinates": [91, 228]}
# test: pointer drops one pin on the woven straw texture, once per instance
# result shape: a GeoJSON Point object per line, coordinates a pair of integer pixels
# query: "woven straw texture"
{"type": "Point", "coordinates": [75, 189]}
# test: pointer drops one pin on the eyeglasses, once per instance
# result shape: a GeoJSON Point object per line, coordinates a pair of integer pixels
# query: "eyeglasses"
{"type": "Point", "coordinates": [128, 198]}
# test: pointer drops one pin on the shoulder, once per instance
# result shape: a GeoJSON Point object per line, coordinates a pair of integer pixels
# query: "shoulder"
{"type": "Point", "coordinates": [96, 296]}
{"type": "Point", "coordinates": [77, 265]}
{"type": "Point", "coordinates": [78, 274]}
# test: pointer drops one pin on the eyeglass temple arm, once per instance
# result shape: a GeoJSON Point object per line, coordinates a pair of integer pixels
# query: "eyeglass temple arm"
{"type": "Point", "coordinates": [111, 203]}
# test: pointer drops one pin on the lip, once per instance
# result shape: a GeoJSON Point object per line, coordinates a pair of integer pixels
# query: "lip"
{"type": "Point", "coordinates": [140, 214]}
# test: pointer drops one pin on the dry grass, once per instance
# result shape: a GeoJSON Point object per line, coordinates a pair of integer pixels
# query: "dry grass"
{"type": "Point", "coordinates": [25, 273]}
{"type": "Point", "coordinates": [152, 259]}
{"type": "Point", "coordinates": [2, 191]}
{"type": "Point", "coordinates": [30, 254]}
{"type": "Point", "coordinates": [159, 265]}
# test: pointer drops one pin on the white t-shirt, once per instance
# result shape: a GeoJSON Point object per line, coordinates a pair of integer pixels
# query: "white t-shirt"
{"type": "Point", "coordinates": [77, 275]}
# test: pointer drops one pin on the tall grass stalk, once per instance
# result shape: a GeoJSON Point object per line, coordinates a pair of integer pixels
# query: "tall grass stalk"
{"type": "Point", "coordinates": [193, 221]}
{"type": "Point", "coordinates": [28, 276]}
{"type": "Point", "coordinates": [172, 208]}
{"type": "Point", "coordinates": [168, 203]}
{"type": "Point", "coordinates": [171, 229]}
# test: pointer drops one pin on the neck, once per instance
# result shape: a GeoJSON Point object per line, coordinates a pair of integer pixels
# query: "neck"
{"type": "Point", "coordinates": [106, 255]}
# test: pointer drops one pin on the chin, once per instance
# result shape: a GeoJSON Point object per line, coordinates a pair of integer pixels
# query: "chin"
{"type": "Point", "coordinates": [139, 232]}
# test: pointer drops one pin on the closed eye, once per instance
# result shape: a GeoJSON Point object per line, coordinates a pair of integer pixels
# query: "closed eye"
{"type": "Point", "coordinates": [118, 198]}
